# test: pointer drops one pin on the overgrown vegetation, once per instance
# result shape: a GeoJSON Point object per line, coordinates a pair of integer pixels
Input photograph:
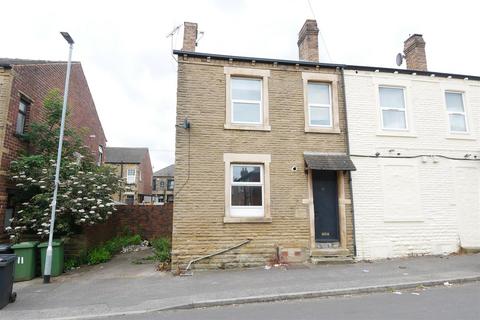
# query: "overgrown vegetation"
{"type": "Point", "coordinates": [161, 249]}
{"type": "Point", "coordinates": [104, 252]}
{"type": "Point", "coordinates": [85, 189]}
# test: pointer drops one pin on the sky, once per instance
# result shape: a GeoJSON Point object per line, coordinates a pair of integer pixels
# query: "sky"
{"type": "Point", "coordinates": [127, 57]}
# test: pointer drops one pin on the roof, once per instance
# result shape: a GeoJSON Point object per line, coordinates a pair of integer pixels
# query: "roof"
{"type": "Point", "coordinates": [125, 155]}
{"type": "Point", "coordinates": [10, 62]}
{"type": "Point", "coordinates": [165, 172]}
{"type": "Point", "coordinates": [324, 65]}
{"type": "Point", "coordinates": [328, 161]}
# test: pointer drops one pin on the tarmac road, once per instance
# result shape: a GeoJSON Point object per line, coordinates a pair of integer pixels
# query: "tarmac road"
{"type": "Point", "coordinates": [459, 302]}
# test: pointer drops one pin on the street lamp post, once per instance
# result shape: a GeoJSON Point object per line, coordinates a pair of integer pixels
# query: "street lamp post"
{"type": "Point", "coordinates": [48, 258]}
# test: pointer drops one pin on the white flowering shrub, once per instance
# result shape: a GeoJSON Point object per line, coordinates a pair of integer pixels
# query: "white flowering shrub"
{"type": "Point", "coordinates": [85, 190]}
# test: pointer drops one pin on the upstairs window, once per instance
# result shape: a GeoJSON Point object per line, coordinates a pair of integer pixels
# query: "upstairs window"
{"type": "Point", "coordinates": [170, 184]}
{"type": "Point", "coordinates": [392, 105]}
{"type": "Point", "coordinates": [457, 117]}
{"type": "Point", "coordinates": [319, 105]}
{"type": "Point", "coordinates": [246, 100]}
{"type": "Point", "coordinates": [21, 116]}
{"type": "Point", "coordinates": [100, 156]}
{"type": "Point", "coordinates": [131, 176]}
{"type": "Point", "coordinates": [154, 184]}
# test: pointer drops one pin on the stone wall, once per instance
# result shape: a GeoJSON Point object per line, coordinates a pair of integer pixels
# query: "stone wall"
{"type": "Point", "coordinates": [199, 212]}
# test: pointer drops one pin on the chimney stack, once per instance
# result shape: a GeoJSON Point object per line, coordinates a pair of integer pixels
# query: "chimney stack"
{"type": "Point", "coordinates": [308, 41]}
{"type": "Point", "coordinates": [414, 50]}
{"type": "Point", "coordinates": [189, 36]}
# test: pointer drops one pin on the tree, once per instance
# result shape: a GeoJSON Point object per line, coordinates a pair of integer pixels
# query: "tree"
{"type": "Point", "coordinates": [85, 190]}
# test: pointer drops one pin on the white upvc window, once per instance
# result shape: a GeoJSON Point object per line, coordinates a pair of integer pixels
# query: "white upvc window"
{"type": "Point", "coordinates": [131, 175]}
{"type": "Point", "coordinates": [319, 104]}
{"type": "Point", "coordinates": [247, 102]}
{"type": "Point", "coordinates": [247, 190]}
{"type": "Point", "coordinates": [457, 116]}
{"type": "Point", "coordinates": [392, 108]}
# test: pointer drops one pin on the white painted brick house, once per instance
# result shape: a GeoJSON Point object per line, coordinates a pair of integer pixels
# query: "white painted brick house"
{"type": "Point", "coordinates": [414, 139]}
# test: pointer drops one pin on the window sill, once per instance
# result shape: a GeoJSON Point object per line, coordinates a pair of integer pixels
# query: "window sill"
{"type": "Point", "coordinates": [460, 136]}
{"type": "Point", "coordinates": [247, 220]}
{"type": "Point", "coordinates": [247, 127]}
{"type": "Point", "coordinates": [323, 130]}
{"type": "Point", "coordinates": [19, 136]}
{"type": "Point", "coordinates": [396, 134]}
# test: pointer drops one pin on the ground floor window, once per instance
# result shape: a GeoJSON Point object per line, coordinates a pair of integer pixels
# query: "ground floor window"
{"type": "Point", "coordinates": [247, 190]}
{"type": "Point", "coordinates": [170, 198]}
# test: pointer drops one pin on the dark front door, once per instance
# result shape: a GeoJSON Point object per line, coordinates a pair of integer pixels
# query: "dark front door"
{"type": "Point", "coordinates": [325, 203]}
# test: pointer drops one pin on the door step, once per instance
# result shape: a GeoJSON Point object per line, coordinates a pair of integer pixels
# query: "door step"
{"type": "Point", "coordinates": [330, 255]}
{"type": "Point", "coordinates": [331, 260]}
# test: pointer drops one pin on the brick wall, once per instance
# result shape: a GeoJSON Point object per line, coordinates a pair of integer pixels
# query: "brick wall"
{"type": "Point", "coordinates": [200, 204]}
{"type": "Point", "coordinates": [145, 186]}
{"type": "Point", "coordinates": [34, 82]}
{"type": "Point", "coordinates": [413, 206]}
{"type": "Point", "coordinates": [148, 221]}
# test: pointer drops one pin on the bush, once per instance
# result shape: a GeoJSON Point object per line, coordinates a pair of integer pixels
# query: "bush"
{"type": "Point", "coordinates": [161, 249]}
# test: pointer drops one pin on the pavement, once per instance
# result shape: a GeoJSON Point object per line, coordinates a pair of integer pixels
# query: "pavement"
{"type": "Point", "coordinates": [120, 287]}
{"type": "Point", "coordinates": [458, 302]}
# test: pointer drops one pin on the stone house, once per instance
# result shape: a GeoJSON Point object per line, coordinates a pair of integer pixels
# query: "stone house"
{"type": "Point", "coordinates": [163, 183]}
{"type": "Point", "coordinates": [23, 87]}
{"type": "Point", "coordinates": [261, 158]}
{"type": "Point", "coordinates": [133, 165]}
{"type": "Point", "coordinates": [414, 138]}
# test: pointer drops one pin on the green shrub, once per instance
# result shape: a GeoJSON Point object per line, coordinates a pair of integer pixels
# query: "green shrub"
{"type": "Point", "coordinates": [161, 249]}
{"type": "Point", "coordinates": [99, 255]}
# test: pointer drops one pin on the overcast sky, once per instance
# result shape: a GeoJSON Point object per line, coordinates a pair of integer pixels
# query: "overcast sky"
{"type": "Point", "coordinates": [128, 64]}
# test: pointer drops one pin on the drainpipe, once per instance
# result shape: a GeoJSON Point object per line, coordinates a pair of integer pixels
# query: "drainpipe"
{"type": "Point", "coordinates": [349, 174]}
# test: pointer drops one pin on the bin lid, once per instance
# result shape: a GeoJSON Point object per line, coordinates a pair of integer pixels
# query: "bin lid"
{"type": "Point", "coordinates": [5, 246]}
{"type": "Point", "coordinates": [6, 259]}
{"type": "Point", "coordinates": [55, 243]}
{"type": "Point", "coordinates": [25, 245]}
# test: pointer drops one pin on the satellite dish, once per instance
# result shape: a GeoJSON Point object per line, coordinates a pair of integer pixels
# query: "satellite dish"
{"type": "Point", "coordinates": [399, 59]}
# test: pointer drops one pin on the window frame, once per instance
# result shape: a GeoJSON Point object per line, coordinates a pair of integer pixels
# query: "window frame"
{"type": "Point", "coordinates": [168, 184]}
{"type": "Point", "coordinates": [247, 73]}
{"type": "Point", "coordinates": [404, 89]}
{"type": "Point", "coordinates": [26, 104]}
{"type": "Point", "coordinates": [248, 211]}
{"type": "Point", "coordinates": [252, 102]}
{"type": "Point", "coordinates": [134, 176]}
{"type": "Point", "coordinates": [464, 113]}
{"type": "Point", "coordinates": [100, 155]}
{"type": "Point", "coordinates": [316, 105]}
{"type": "Point", "coordinates": [332, 80]}
{"type": "Point", "coordinates": [263, 160]}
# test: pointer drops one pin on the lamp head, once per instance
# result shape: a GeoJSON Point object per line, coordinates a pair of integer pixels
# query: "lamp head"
{"type": "Point", "coordinates": [67, 37]}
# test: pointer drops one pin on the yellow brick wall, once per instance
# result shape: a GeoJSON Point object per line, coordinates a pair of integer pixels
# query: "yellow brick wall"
{"type": "Point", "coordinates": [198, 227]}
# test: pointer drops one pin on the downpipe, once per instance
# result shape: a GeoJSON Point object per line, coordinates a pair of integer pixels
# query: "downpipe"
{"type": "Point", "coordinates": [188, 272]}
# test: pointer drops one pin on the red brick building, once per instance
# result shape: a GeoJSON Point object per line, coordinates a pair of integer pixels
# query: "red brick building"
{"type": "Point", "coordinates": [23, 87]}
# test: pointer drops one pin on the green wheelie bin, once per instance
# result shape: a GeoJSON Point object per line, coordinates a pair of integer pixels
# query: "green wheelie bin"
{"type": "Point", "coordinates": [57, 257]}
{"type": "Point", "coordinates": [25, 261]}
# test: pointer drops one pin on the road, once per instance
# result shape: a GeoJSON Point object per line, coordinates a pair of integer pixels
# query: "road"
{"type": "Point", "coordinates": [459, 302]}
